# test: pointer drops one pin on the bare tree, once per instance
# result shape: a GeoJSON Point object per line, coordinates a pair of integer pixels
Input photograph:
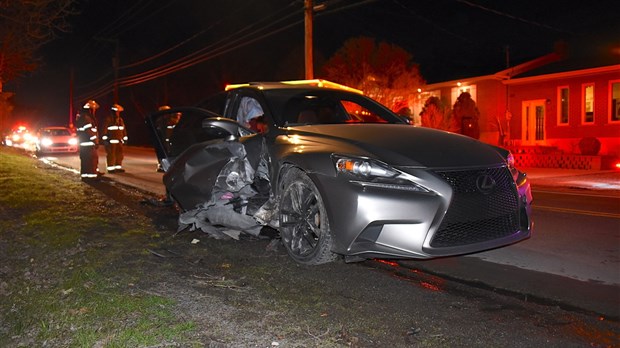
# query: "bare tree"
{"type": "Point", "coordinates": [383, 71]}
{"type": "Point", "coordinates": [25, 25]}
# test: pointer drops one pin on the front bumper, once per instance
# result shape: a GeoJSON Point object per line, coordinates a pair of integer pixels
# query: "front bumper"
{"type": "Point", "coordinates": [368, 222]}
{"type": "Point", "coordinates": [57, 148]}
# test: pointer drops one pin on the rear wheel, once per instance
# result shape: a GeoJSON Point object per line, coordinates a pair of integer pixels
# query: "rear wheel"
{"type": "Point", "coordinates": [304, 225]}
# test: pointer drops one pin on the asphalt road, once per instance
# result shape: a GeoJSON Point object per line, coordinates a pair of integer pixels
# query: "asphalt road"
{"type": "Point", "coordinates": [572, 260]}
{"type": "Point", "coordinates": [576, 235]}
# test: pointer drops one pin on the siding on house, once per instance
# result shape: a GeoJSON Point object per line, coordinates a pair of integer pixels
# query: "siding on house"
{"type": "Point", "coordinates": [567, 136]}
{"type": "Point", "coordinates": [503, 99]}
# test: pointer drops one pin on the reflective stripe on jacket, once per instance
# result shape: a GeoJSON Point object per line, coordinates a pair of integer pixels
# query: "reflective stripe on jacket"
{"type": "Point", "coordinates": [114, 130]}
{"type": "Point", "coordinates": [86, 127]}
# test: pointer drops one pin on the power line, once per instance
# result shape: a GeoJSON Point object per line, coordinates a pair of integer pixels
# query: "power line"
{"type": "Point", "coordinates": [162, 53]}
{"type": "Point", "coordinates": [174, 47]}
{"type": "Point", "coordinates": [113, 29]}
{"type": "Point", "coordinates": [343, 8]}
{"type": "Point", "coordinates": [146, 17]}
{"type": "Point", "coordinates": [107, 73]}
{"type": "Point", "coordinates": [212, 51]}
{"type": "Point", "coordinates": [206, 53]}
{"type": "Point", "coordinates": [200, 59]}
{"type": "Point", "coordinates": [202, 56]}
{"type": "Point", "coordinates": [432, 23]}
{"type": "Point", "coordinates": [507, 15]}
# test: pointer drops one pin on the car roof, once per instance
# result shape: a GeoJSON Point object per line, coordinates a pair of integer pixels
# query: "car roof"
{"type": "Point", "coordinates": [300, 84]}
{"type": "Point", "coordinates": [53, 127]}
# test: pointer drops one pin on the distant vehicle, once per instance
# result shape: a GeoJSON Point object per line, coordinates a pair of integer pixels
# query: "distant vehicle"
{"type": "Point", "coordinates": [338, 174]}
{"type": "Point", "coordinates": [56, 140]}
{"type": "Point", "coordinates": [19, 137]}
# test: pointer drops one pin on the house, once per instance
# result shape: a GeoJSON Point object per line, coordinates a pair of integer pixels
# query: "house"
{"type": "Point", "coordinates": [546, 108]}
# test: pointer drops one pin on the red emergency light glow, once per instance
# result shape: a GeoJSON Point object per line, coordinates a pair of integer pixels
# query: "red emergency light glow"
{"type": "Point", "coordinates": [430, 286]}
{"type": "Point", "coordinates": [389, 263]}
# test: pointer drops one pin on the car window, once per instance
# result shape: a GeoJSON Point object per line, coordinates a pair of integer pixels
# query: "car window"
{"type": "Point", "coordinates": [179, 130]}
{"type": "Point", "coordinates": [333, 108]}
{"type": "Point", "coordinates": [360, 114]}
{"type": "Point", "coordinates": [57, 132]}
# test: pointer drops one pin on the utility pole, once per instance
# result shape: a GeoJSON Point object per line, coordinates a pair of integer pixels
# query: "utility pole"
{"type": "Point", "coordinates": [71, 114]}
{"type": "Point", "coordinates": [308, 8]}
{"type": "Point", "coordinates": [507, 53]}
{"type": "Point", "coordinates": [115, 64]}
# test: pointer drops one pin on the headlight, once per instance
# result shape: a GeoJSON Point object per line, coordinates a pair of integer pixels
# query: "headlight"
{"type": "Point", "coordinates": [371, 173]}
{"type": "Point", "coordinates": [46, 142]}
{"type": "Point", "coordinates": [73, 141]}
{"type": "Point", "coordinates": [363, 167]}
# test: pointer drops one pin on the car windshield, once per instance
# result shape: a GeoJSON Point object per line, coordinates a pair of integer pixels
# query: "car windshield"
{"type": "Point", "coordinates": [55, 132]}
{"type": "Point", "coordinates": [310, 107]}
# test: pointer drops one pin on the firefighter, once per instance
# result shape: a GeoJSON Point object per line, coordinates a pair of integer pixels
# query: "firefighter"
{"type": "Point", "coordinates": [166, 128]}
{"type": "Point", "coordinates": [114, 136]}
{"type": "Point", "coordinates": [86, 126]}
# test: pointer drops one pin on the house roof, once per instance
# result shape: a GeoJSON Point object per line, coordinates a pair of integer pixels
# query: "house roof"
{"type": "Point", "coordinates": [578, 59]}
{"type": "Point", "coordinates": [528, 66]}
{"type": "Point", "coordinates": [565, 74]}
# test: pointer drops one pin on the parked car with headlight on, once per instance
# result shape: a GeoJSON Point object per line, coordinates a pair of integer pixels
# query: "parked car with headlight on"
{"type": "Point", "coordinates": [337, 174]}
{"type": "Point", "coordinates": [56, 140]}
{"type": "Point", "coordinates": [19, 137]}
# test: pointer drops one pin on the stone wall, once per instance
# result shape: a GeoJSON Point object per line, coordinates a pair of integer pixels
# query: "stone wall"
{"type": "Point", "coordinates": [551, 157]}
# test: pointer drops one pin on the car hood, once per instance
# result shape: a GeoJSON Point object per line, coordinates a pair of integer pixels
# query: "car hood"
{"type": "Point", "coordinates": [398, 145]}
{"type": "Point", "coordinates": [59, 138]}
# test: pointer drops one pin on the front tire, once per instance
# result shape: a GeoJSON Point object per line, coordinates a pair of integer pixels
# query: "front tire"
{"type": "Point", "coordinates": [304, 224]}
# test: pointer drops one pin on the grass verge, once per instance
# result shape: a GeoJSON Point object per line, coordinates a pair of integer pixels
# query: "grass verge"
{"type": "Point", "coordinates": [62, 255]}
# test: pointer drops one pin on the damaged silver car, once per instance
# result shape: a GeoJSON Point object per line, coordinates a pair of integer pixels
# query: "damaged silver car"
{"type": "Point", "coordinates": [337, 174]}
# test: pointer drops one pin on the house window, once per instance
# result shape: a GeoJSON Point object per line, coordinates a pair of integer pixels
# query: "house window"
{"type": "Point", "coordinates": [614, 91]}
{"type": "Point", "coordinates": [588, 103]}
{"type": "Point", "coordinates": [563, 105]}
{"type": "Point", "coordinates": [540, 123]}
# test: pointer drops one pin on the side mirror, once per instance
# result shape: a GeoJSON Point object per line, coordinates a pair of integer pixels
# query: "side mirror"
{"type": "Point", "coordinates": [405, 119]}
{"type": "Point", "coordinates": [230, 126]}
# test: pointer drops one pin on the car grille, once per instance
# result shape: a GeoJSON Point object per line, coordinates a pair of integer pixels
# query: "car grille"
{"type": "Point", "coordinates": [475, 216]}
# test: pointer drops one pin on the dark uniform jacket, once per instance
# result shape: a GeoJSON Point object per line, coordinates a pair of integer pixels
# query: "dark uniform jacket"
{"type": "Point", "coordinates": [86, 127]}
{"type": "Point", "coordinates": [114, 131]}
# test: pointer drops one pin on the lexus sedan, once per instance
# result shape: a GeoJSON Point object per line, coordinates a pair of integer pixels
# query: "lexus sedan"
{"type": "Point", "coordinates": [56, 140]}
{"type": "Point", "coordinates": [338, 175]}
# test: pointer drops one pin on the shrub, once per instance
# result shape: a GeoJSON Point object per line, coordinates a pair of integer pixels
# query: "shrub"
{"type": "Point", "coordinates": [589, 146]}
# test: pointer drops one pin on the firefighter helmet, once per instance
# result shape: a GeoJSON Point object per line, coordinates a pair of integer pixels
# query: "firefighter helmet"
{"type": "Point", "coordinates": [117, 107]}
{"type": "Point", "coordinates": [91, 104]}
{"type": "Point", "coordinates": [163, 107]}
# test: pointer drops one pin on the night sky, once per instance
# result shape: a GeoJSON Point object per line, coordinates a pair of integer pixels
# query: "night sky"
{"type": "Point", "coordinates": [235, 41]}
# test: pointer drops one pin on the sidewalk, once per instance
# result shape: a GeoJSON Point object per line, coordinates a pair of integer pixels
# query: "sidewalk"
{"type": "Point", "coordinates": [602, 180]}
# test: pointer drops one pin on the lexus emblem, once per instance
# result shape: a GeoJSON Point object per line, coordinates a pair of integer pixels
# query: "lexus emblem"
{"type": "Point", "coordinates": [486, 184]}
